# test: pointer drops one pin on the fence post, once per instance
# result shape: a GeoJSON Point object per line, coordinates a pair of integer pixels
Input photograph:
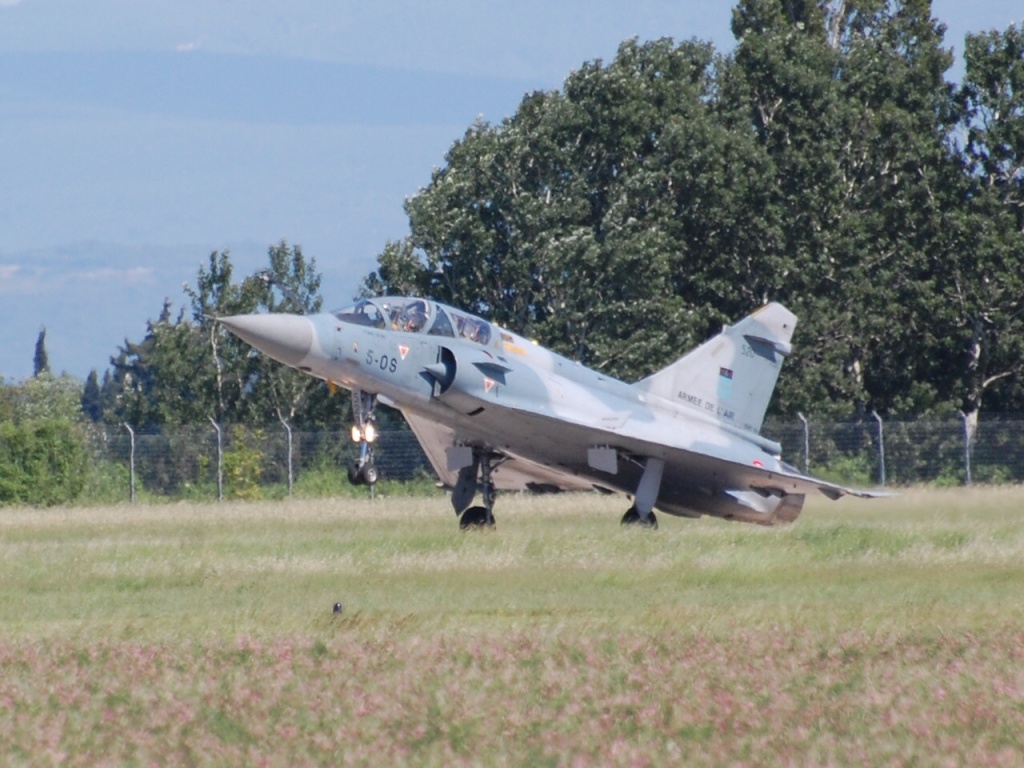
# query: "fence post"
{"type": "Point", "coordinates": [967, 448]}
{"type": "Point", "coordinates": [881, 449]}
{"type": "Point", "coordinates": [288, 429]}
{"type": "Point", "coordinates": [807, 444]}
{"type": "Point", "coordinates": [220, 461]}
{"type": "Point", "coordinates": [131, 461]}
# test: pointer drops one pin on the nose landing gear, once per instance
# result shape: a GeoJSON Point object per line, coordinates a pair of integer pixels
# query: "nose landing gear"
{"type": "Point", "coordinates": [363, 471]}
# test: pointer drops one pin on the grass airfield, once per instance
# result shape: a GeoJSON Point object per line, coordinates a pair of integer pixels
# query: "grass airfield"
{"type": "Point", "coordinates": [882, 632]}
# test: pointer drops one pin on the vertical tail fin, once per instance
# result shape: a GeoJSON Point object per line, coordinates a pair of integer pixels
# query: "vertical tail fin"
{"type": "Point", "coordinates": [731, 377]}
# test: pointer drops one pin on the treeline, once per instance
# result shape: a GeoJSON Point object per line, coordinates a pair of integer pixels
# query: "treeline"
{"type": "Point", "coordinates": [826, 163]}
{"type": "Point", "coordinates": [185, 370]}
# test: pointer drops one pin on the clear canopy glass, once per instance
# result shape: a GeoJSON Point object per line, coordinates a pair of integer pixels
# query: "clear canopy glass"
{"type": "Point", "coordinates": [413, 315]}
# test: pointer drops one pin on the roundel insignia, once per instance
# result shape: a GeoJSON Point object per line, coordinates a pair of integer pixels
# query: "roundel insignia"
{"type": "Point", "coordinates": [758, 463]}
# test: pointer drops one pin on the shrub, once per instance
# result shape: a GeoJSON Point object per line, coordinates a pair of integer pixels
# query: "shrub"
{"type": "Point", "coordinates": [43, 462]}
{"type": "Point", "coordinates": [106, 482]}
{"type": "Point", "coordinates": [242, 464]}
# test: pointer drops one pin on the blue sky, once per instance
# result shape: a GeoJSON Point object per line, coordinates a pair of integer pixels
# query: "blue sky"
{"type": "Point", "coordinates": [140, 136]}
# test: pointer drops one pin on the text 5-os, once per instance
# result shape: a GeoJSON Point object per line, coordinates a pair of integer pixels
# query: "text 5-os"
{"type": "Point", "coordinates": [384, 362]}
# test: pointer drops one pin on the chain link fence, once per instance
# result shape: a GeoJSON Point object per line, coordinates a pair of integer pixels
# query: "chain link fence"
{"type": "Point", "coordinates": [904, 452]}
{"type": "Point", "coordinates": [234, 461]}
{"type": "Point", "coordinates": [214, 461]}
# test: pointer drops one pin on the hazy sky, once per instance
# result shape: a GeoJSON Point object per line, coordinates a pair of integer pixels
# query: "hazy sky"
{"type": "Point", "coordinates": [140, 136]}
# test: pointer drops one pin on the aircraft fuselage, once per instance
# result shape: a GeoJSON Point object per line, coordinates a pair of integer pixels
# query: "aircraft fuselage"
{"type": "Point", "coordinates": [497, 391]}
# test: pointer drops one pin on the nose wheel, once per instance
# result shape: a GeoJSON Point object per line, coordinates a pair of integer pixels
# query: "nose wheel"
{"type": "Point", "coordinates": [363, 474]}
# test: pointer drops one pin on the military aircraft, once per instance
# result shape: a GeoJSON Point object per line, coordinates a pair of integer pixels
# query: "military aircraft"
{"type": "Point", "coordinates": [494, 410]}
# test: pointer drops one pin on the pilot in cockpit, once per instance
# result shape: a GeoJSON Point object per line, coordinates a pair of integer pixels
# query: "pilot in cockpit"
{"type": "Point", "coordinates": [413, 317]}
{"type": "Point", "coordinates": [476, 330]}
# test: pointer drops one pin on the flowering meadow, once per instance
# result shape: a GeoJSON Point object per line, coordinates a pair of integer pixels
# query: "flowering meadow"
{"type": "Point", "coordinates": [875, 634]}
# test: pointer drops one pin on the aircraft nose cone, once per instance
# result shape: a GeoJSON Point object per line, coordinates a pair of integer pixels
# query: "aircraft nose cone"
{"type": "Point", "coordinates": [286, 338]}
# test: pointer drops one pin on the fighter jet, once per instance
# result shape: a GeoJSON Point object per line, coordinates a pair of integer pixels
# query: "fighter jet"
{"type": "Point", "coordinates": [494, 410]}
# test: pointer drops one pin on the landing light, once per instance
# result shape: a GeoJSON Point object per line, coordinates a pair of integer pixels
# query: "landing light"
{"type": "Point", "coordinates": [367, 433]}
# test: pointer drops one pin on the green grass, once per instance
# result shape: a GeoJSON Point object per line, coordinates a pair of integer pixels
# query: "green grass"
{"type": "Point", "coordinates": [883, 631]}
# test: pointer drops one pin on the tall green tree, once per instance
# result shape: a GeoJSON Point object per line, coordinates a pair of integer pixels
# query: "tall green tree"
{"type": "Point", "coordinates": [159, 380]}
{"type": "Point", "coordinates": [850, 103]}
{"type": "Point", "coordinates": [188, 369]}
{"type": "Point", "coordinates": [906, 182]}
{"type": "Point", "coordinates": [40, 360]}
{"type": "Point", "coordinates": [222, 370]}
{"type": "Point", "coordinates": [985, 288]}
{"type": "Point", "coordinates": [582, 219]}
{"type": "Point", "coordinates": [291, 283]}
{"type": "Point", "coordinates": [92, 398]}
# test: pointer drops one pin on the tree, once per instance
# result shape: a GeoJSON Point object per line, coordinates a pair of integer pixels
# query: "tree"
{"type": "Point", "coordinates": [279, 392]}
{"type": "Point", "coordinates": [92, 399]}
{"type": "Point", "coordinates": [223, 369]}
{"type": "Point", "coordinates": [189, 369]}
{"type": "Point", "coordinates": [7, 398]}
{"type": "Point", "coordinates": [849, 101]}
{"type": "Point", "coordinates": [40, 361]}
{"type": "Point", "coordinates": [399, 272]}
{"type": "Point", "coordinates": [46, 397]}
{"type": "Point", "coordinates": [250, 387]}
{"type": "Point", "coordinates": [160, 380]}
{"type": "Point", "coordinates": [672, 190]}
{"type": "Point", "coordinates": [986, 285]}
{"type": "Point", "coordinates": [580, 220]}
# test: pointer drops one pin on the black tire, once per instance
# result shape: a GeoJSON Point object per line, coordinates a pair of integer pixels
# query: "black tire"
{"type": "Point", "coordinates": [476, 518]}
{"type": "Point", "coordinates": [632, 517]}
{"type": "Point", "coordinates": [354, 475]}
{"type": "Point", "coordinates": [369, 474]}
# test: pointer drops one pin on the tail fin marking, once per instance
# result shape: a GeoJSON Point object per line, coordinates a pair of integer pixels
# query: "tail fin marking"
{"type": "Point", "coordinates": [731, 377]}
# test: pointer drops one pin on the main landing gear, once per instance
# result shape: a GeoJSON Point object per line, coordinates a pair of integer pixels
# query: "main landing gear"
{"type": "Point", "coordinates": [642, 511]}
{"type": "Point", "coordinates": [632, 517]}
{"type": "Point", "coordinates": [363, 471]}
{"type": "Point", "coordinates": [476, 466]}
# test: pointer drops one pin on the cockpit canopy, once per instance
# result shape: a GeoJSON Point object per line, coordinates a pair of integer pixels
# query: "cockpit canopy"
{"type": "Point", "coordinates": [412, 315]}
